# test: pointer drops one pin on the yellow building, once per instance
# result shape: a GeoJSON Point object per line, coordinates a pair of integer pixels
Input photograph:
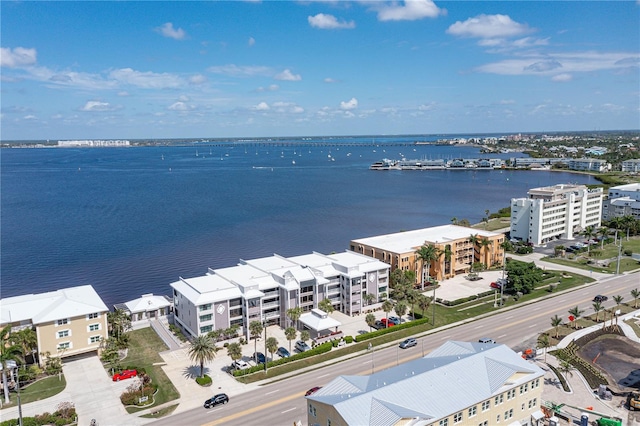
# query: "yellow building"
{"type": "Point", "coordinates": [458, 384]}
{"type": "Point", "coordinates": [454, 245]}
{"type": "Point", "coordinates": [67, 322]}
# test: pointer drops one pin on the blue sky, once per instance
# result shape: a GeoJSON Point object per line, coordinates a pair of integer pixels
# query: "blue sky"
{"type": "Point", "coordinates": [106, 69]}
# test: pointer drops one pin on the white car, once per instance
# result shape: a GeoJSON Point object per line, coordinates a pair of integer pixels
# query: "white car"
{"type": "Point", "coordinates": [302, 346]}
{"type": "Point", "coordinates": [239, 365]}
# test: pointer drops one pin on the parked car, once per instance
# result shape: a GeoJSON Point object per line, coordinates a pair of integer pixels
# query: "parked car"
{"type": "Point", "coordinates": [407, 343]}
{"type": "Point", "coordinates": [395, 320]}
{"type": "Point", "coordinates": [124, 374]}
{"type": "Point", "coordinates": [302, 346]}
{"type": "Point", "coordinates": [378, 325]}
{"type": "Point", "coordinates": [313, 390]}
{"type": "Point", "coordinates": [259, 357]}
{"type": "Point", "coordinates": [496, 285]}
{"type": "Point", "coordinates": [385, 324]}
{"type": "Point", "coordinates": [283, 352]}
{"type": "Point", "coordinates": [600, 298]}
{"type": "Point", "coordinates": [218, 399]}
{"type": "Point", "coordinates": [486, 340]}
{"type": "Point", "coordinates": [239, 365]}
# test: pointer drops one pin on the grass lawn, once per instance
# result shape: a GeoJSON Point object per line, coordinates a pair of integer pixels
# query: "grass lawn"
{"type": "Point", "coordinates": [144, 349]}
{"type": "Point", "coordinates": [41, 389]}
{"type": "Point", "coordinates": [161, 413]}
{"type": "Point", "coordinates": [633, 323]}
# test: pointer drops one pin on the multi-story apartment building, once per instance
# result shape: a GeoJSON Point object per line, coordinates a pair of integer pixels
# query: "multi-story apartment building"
{"type": "Point", "coordinates": [459, 383]}
{"type": "Point", "coordinates": [622, 200]}
{"type": "Point", "coordinates": [589, 164]}
{"type": "Point", "coordinates": [631, 166]}
{"type": "Point", "coordinates": [559, 211]}
{"type": "Point", "coordinates": [67, 322]}
{"type": "Point", "coordinates": [264, 289]}
{"type": "Point", "coordinates": [454, 243]}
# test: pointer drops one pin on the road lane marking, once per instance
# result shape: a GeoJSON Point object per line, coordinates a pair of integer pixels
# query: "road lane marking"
{"type": "Point", "coordinates": [290, 409]}
{"type": "Point", "coordinates": [480, 326]}
{"type": "Point", "coordinates": [509, 317]}
{"type": "Point", "coordinates": [269, 393]}
{"type": "Point", "coordinates": [324, 375]}
{"type": "Point", "coordinates": [500, 337]}
{"type": "Point", "coordinates": [252, 410]}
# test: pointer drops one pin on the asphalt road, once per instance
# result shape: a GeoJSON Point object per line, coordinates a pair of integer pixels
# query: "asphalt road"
{"type": "Point", "coordinates": [283, 403]}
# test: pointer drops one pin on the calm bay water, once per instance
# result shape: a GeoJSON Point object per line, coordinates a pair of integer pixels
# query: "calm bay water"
{"type": "Point", "coordinates": [132, 220]}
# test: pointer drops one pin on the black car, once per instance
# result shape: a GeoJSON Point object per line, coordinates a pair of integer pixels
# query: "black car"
{"type": "Point", "coordinates": [378, 325]}
{"type": "Point", "coordinates": [218, 399]}
{"type": "Point", "coordinates": [600, 298]}
{"type": "Point", "coordinates": [259, 357]}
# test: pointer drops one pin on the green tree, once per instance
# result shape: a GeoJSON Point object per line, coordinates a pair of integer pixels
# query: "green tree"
{"type": "Point", "coordinates": [473, 239]}
{"type": "Point", "coordinates": [294, 315]}
{"type": "Point", "coordinates": [387, 306]}
{"type": "Point", "coordinates": [588, 233]}
{"type": "Point", "coordinates": [577, 313]}
{"type": "Point", "coordinates": [423, 303]}
{"type": "Point", "coordinates": [566, 369]}
{"type": "Point", "coordinates": [203, 349]}
{"type": "Point", "coordinates": [234, 350]}
{"type": "Point", "coordinates": [618, 299]}
{"type": "Point", "coordinates": [544, 343]}
{"type": "Point", "coordinates": [556, 322]}
{"type": "Point", "coordinates": [370, 320]}
{"type": "Point", "coordinates": [400, 309]}
{"type": "Point", "coordinates": [485, 243]}
{"type": "Point", "coordinates": [635, 293]}
{"type": "Point", "coordinates": [402, 283]}
{"type": "Point", "coordinates": [597, 307]}
{"type": "Point", "coordinates": [119, 324]}
{"type": "Point", "coordinates": [411, 298]}
{"type": "Point", "coordinates": [8, 352]}
{"type": "Point", "coordinates": [369, 298]}
{"type": "Point", "coordinates": [454, 220]}
{"type": "Point", "coordinates": [603, 232]}
{"type": "Point", "coordinates": [325, 305]}
{"type": "Point", "coordinates": [522, 276]}
{"type": "Point", "coordinates": [447, 253]}
{"type": "Point", "coordinates": [255, 330]}
{"type": "Point", "coordinates": [304, 335]}
{"type": "Point", "coordinates": [426, 255]}
{"type": "Point", "coordinates": [272, 345]}
{"type": "Point", "coordinates": [27, 340]}
{"type": "Point", "coordinates": [290, 333]}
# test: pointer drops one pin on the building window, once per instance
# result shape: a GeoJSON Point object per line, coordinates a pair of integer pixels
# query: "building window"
{"type": "Point", "coordinates": [485, 423]}
{"type": "Point", "coordinates": [443, 422]}
{"type": "Point", "coordinates": [473, 411]}
{"type": "Point", "coordinates": [62, 322]}
{"type": "Point", "coordinates": [328, 422]}
{"type": "Point", "coordinates": [205, 307]}
{"type": "Point", "coordinates": [64, 333]}
{"type": "Point", "coordinates": [457, 417]}
{"type": "Point", "coordinates": [206, 329]}
{"type": "Point", "coordinates": [312, 410]}
{"type": "Point", "coordinates": [94, 339]}
{"type": "Point", "coordinates": [498, 418]}
{"type": "Point", "coordinates": [204, 318]}
{"type": "Point", "coordinates": [93, 316]}
{"type": "Point", "coordinates": [64, 345]}
{"type": "Point", "coordinates": [499, 399]}
{"type": "Point", "coordinates": [94, 327]}
{"type": "Point", "coordinates": [486, 405]}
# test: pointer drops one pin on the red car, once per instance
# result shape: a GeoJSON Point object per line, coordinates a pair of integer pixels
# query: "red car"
{"type": "Point", "coordinates": [313, 390]}
{"type": "Point", "coordinates": [124, 374]}
{"type": "Point", "coordinates": [384, 323]}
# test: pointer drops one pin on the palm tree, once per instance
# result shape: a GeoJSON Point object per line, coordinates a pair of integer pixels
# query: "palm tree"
{"type": "Point", "coordinates": [603, 231]}
{"type": "Point", "coordinates": [589, 232]}
{"type": "Point", "coordinates": [387, 306]}
{"type": "Point", "coordinates": [203, 349]}
{"type": "Point", "coordinates": [370, 320]}
{"type": "Point", "coordinates": [411, 298]}
{"type": "Point", "coordinates": [447, 253]}
{"type": "Point", "coordinates": [597, 307]}
{"type": "Point", "coordinates": [423, 303]}
{"type": "Point", "coordinates": [8, 352]}
{"type": "Point", "coordinates": [565, 368]}
{"type": "Point", "coordinates": [635, 293]}
{"type": "Point", "coordinates": [290, 333]}
{"type": "Point", "coordinates": [473, 239]}
{"type": "Point", "coordinates": [325, 305]}
{"type": "Point", "coordinates": [426, 254]}
{"type": "Point", "coordinates": [369, 298]}
{"type": "Point", "coordinates": [234, 350]}
{"type": "Point", "coordinates": [556, 322]}
{"type": "Point", "coordinates": [484, 244]}
{"type": "Point", "coordinates": [486, 219]}
{"type": "Point", "coordinates": [255, 330]}
{"type": "Point", "coordinates": [618, 299]}
{"type": "Point", "coordinates": [272, 345]}
{"type": "Point", "coordinates": [304, 335]}
{"type": "Point", "coordinates": [577, 313]}
{"type": "Point", "coordinates": [401, 309]}
{"type": "Point", "coordinates": [27, 340]}
{"type": "Point", "coordinates": [544, 343]}
{"type": "Point", "coordinates": [454, 220]}
{"type": "Point", "coordinates": [294, 315]}
{"type": "Point", "coordinates": [119, 322]}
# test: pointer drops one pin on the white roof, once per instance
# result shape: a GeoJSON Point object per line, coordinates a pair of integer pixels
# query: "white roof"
{"type": "Point", "coordinates": [51, 306]}
{"type": "Point", "coordinates": [147, 302]}
{"type": "Point", "coordinates": [408, 241]}
{"type": "Point", "coordinates": [319, 320]}
{"type": "Point", "coordinates": [462, 373]}
{"type": "Point", "coordinates": [206, 289]}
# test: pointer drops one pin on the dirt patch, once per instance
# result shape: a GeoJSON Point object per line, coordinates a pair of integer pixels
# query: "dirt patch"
{"type": "Point", "coordinates": [617, 357]}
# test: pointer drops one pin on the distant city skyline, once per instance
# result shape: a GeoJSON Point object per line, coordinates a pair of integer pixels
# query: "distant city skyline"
{"type": "Point", "coordinates": [216, 69]}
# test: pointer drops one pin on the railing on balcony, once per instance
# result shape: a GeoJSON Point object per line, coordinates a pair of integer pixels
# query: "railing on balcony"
{"type": "Point", "coordinates": [328, 337]}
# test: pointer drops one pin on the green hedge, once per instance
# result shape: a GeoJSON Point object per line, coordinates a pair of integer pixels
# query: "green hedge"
{"type": "Point", "coordinates": [371, 335]}
{"type": "Point", "coordinates": [320, 349]}
{"type": "Point", "coordinates": [464, 299]}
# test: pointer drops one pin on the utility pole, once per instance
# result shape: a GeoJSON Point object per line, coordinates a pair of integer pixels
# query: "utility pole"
{"type": "Point", "coordinates": [266, 360]}
{"type": "Point", "coordinates": [619, 254]}
{"type": "Point", "coordinates": [433, 307]}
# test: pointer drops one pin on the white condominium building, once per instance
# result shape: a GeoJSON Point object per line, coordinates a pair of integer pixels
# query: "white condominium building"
{"type": "Point", "coordinates": [622, 200]}
{"type": "Point", "coordinates": [559, 211]}
{"type": "Point", "coordinates": [264, 289]}
{"type": "Point", "coordinates": [631, 165]}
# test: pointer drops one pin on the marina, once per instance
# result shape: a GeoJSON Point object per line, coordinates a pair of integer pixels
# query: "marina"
{"type": "Point", "coordinates": [440, 164]}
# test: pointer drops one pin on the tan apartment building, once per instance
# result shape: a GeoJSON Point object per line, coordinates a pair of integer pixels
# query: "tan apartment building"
{"type": "Point", "coordinates": [459, 383]}
{"type": "Point", "coordinates": [453, 242]}
{"type": "Point", "coordinates": [67, 322]}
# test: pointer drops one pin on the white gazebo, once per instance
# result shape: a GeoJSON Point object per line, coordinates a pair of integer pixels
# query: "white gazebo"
{"type": "Point", "coordinates": [321, 324]}
{"type": "Point", "coordinates": [148, 307]}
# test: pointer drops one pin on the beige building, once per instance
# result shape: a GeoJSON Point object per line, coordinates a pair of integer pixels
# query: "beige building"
{"type": "Point", "coordinates": [67, 322]}
{"type": "Point", "coordinates": [459, 383]}
{"type": "Point", "coordinates": [457, 251]}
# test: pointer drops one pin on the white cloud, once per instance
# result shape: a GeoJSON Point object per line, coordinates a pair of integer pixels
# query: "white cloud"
{"type": "Point", "coordinates": [123, 93]}
{"type": "Point", "coordinates": [183, 98]}
{"type": "Point", "coordinates": [329, 22]}
{"type": "Point", "coordinates": [297, 109]}
{"type": "Point", "coordinates": [330, 80]}
{"type": "Point", "coordinates": [146, 80]}
{"type": "Point", "coordinates": [167, 30]}
{"type": "Point", "coordinates": [251, 41]}
{"type": "Point", "coordinates": [262, 106]}
{"type": "Point", "coordinates": [97, 106]}
{"type": "Point", "coordinates": [197, 79]}
{"type": "Point", "coordinates": [411, 10]}
{"type": "Point", "coordinates": [18, 57]}
{"type": "Point", "coordinates": [427, 107]}
{"type": "Point", "coordinates": [562, 77]}
{"type": "Point", "coordinates": [543, 66]}
{"type": "Point", "coordinates": [269, 88]}
{"type": "Point", "coordinates": [287, 75]}
{"type": "Point", "coordinates": [180, 106]}
{"type": "Point", "coordinates": [351, 104]}
{"type": "Point", "coordinates": [488, 27]}
{"type": "Point", "coordinates": [240, 71]}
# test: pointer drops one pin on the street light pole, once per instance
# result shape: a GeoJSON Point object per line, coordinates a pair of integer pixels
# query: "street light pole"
{"type": "Point", "coordinates": [433, 307]}
{"type": "Point", "coordinates": [370, 348]}
{"type": "Point", "coordinates": [619, 254]}
{"type": "Point", "coordinates": [266, 360]}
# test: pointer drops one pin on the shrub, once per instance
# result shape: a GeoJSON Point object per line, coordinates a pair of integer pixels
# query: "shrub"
{"type": "Point", "coordinates": [348, 339]}
{"type": "Point", "coordinates": [628, 252]}
{"type": "Point", "coordinates": [204, 381]}
{"type": "Point", "coordinates": [316, 350]}
{"type": "Point", "coordinates": [371, 335]}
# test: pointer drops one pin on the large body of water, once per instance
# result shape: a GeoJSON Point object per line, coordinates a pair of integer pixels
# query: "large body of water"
{"type": "Point", "coordinates": [132, 220]}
